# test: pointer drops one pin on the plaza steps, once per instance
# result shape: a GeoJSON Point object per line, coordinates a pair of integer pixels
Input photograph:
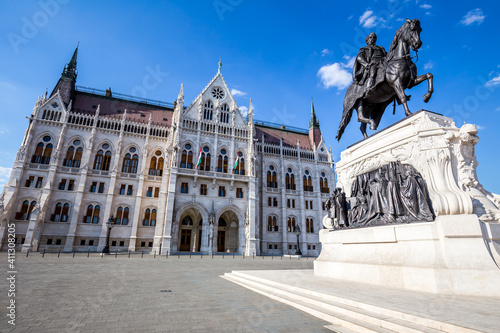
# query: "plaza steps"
{"type": "Point", "coordinates": [345, 315]}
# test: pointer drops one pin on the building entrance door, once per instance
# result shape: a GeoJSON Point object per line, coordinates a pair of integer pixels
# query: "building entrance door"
{"type": "Point", "coordinates": [221, 241]}
{"type": "Point", "coordinates": [185, 239]}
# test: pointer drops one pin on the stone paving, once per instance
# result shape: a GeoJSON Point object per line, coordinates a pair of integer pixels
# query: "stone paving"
{"type": "Point", "coordinates": [147, 294]}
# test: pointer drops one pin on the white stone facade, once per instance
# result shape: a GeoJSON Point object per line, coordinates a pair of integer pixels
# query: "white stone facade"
{"type": "Point", "coordinates": [91, 156]}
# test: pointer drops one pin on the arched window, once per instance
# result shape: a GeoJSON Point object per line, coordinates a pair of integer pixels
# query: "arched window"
{"type": "Point", "coordinates": [153, 218]}
{"type": "Point", "coordinates": [103, 158]}
{"type": "Point", "coordinates": [272, 179]}
{"type": "Point", "coordinates": [224, 114]}
{"type": "Point", "coordinates": [222, 161]}
{"type": "Point", "coordinates": [187, 157]}
{"type": "Point", "coordinates": [290, 179]}
{"type": "Point", "coordinates": [43, 151]}
{"type": "Point", "coordinates": [272, 224]}
{"type": "Point", "coordinates": [26, 209]}
{"type": "Point", "coordinates": [147, 217]}
{"type": "Point", "coordinates": [60, 212]}
{"type": "Point", "coordinates": [156, 165]}
{"type": "Point", "coordinates": [73, 155]}
{"type": "Point", "coordinates": [204, 159]}
{"type": "Point", "coordinates": [309, 225]}
{"type": "Point", "coordinates": [130, 161]}
{"type": "Point", "coordinates": [122, 215]}
{"type": "Point", "coordinates": [323, 183]}
{"type": "Point", "coordinates": [222, 222]}
{"type": "Point", "coordinates": [239, 164]}
{"type": "Point", "coordinates": [307, 182]}
{"type": "Point", "coordinates": [208, 110]}
{"type": "Point", "coordinates": [291, 224]}
{"type": "Point", "coordinates": [92, 215]}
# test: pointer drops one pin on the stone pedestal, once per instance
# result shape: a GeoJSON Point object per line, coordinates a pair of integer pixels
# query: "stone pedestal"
{"type": "Point", "coordinates": [458, 252]}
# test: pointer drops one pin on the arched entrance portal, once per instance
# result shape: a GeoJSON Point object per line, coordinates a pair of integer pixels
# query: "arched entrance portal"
{"type": "Point", "coordinates": [190, 231]}
{"type": "Point", "coordinates": [227, 233]}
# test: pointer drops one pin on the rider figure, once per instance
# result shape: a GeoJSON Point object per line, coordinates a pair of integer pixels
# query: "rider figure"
{"type": "Point", "coordinates": [368, 61]}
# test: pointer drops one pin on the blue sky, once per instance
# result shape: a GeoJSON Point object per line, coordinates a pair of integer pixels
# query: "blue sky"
{"type": "Point", "coordinates": [280, 54]}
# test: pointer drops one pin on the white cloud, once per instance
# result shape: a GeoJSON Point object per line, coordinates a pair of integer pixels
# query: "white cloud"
{"type": "Point", "coordinates": [325, 52]}
{"type": "Point", "coordinates": [350, 17]}
{"type": "Point", "coordinates": [428, 65]}
{"type": "Point", "coordinates": [4, 176]}
{"type": "Point", "coordinates": [244, 110]}
{"type": "Point", "coordinates": [497, 109]}
{"type": "Point", "coordinates": [493, 82]}
{"type": "Point", "coordinates": [368, 20]}
{"type": "Point", "coordinates": [336, 75]}
{"type": "Point", "coordinates": [425, 6]}
{"type": "Point", "coordinates": [236, 92]}
{"type": "Point", "coordinates": [475, 15]}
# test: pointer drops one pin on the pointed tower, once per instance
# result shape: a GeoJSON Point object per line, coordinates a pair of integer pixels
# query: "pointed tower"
{"type": "Point", "coordinates": [66, 84]}
{"type": "Point", "coordinates": [314, 131]}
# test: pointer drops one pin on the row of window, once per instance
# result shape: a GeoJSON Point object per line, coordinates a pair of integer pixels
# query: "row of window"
{"type": "Point", "coordinates": [272, 180]}
{"type": "Point", "coordinates": [275, 246]}
{"type": "Point", "coordinates": [272, 224]}
{"type": "Point", "coordinates": [205, 158]}
{"type": "Point", "coordinates": [204, 190]}
{"type": "Point", "coordinates": [290, 203]}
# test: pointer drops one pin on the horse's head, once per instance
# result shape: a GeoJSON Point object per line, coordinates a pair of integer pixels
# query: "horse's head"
{"type": "Point", "coordinates": [413, 33]}
{"type": "Point", "coordinates": [409, 33]}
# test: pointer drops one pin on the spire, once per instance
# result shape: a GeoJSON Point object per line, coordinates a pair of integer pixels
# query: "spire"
{"type": "Point", "coordinates": [250, 112]}
{"type": "Point", "coordinates": [220, 65]}
{"type": "Point", "coordinates": [313, 123]}
{"type": "Point", "coordinates": [69, 71]}
{"type": "Point", "coordinates": [66, 84]}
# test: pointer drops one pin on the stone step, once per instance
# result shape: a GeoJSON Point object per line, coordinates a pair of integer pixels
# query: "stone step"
{"type": "Point", "coordinates": [340, 323]}
{"type": "Point", "coordinates": [365, 313]}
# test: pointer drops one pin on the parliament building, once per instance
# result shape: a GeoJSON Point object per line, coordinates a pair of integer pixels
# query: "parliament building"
{"type": "Point", "coordinates": [172, 177]}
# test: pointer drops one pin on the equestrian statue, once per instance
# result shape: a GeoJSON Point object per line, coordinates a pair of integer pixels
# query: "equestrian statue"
{"type": "Point", "coordinates": [380, 78]}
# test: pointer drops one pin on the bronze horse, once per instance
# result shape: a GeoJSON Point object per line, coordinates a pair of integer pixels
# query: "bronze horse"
{"type": "Point", "coordinates": [399, 73]}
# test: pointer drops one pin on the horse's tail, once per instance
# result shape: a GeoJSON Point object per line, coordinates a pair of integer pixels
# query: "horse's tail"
{"type": "Point", "coordinates": [346, 118]}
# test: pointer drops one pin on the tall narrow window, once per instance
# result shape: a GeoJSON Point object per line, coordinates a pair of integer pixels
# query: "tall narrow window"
{"type": "Point", "coordinates": [272, 224]}
{"type": "Point", "coordinates": [147, 216]}
{"type": "Point", "coordinates": [323, 183]}
{"type": "Point", "coordinates": [156, 165]}
{"type": "Point", "coordinates": [309, 225]}
{"type": "Point", "coordinates": [184, 188]}
{"type": "Point", "coordinates": [204, 159]}
{"type": "Point", "coordinates": [71, 185]}
{"type": "Point", "coordinates": [187, 157]}
{"type": "Point", "coordinates": [239, 164]}
{"type": "Point", "coordinates": [290, 179]}
{"type": "Point", "coordinates": [30, 181]}
{"type": "Point", "coordinates": [307, 182]}
{"type": "Point", "coordinates": [73, 156]}
{"type": "Point", "coordinates": [203, 189]}
{"type": "Point", "coordinates": [291, 224]}
{"type": "Point", "coordinates": [208, 110]}
{"type": "Point", "coordinates": [222, 191]}
{"type": "Point", "coordinates": [224, 114]}
{"type": "Point", "coordinates": [272, 179]}
{"type": "Point", "coordinates": [62, 184]}
{"type": "Point", "coordinates": [102, 158]}
{"type": "Point", "coordinates": [222, 161]}
{"type": "Point", "coordinates": [42, 151]}
{"type": "Point", "coordinates": [153, 218]}
{"type": "Point", "coordinates": [39, 182]}
{"type": "Point", "coordinates": [119, 215]}
{"type": "Point", "coordinates": [239, 192]}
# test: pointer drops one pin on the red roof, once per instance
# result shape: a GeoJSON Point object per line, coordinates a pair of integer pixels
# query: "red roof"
{"type": "Point", "coordinates": [272, 135]}
{"type": "Point", "coordinates": [114, 108]}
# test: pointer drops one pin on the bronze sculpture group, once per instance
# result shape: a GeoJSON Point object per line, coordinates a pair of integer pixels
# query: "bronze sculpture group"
{"type": "Point", "coordinates": [392, 194]}
{"type": "Point", "coordinates": [380, 78]}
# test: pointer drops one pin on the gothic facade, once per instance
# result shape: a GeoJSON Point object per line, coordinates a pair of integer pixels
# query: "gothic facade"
{"type": "Point", "coordinates": [198, 178]}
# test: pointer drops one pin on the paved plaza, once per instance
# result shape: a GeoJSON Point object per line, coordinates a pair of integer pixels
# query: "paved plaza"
{"type": "Point", "coordinates": [147, 294]}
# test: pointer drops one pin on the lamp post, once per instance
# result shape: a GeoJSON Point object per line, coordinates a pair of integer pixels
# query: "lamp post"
{"type": "Point", "coordinates": [297, 232]}
{"type": "Point", "coordinates": [110, 224]}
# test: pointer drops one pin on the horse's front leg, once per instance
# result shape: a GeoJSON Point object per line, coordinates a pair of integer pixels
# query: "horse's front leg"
{"type": "Point", "coordinates": [421, 78]}
{"type": "Point", "coordinates": [400, 92]}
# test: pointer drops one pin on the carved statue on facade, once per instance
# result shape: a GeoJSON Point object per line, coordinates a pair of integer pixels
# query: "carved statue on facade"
{"type": "Point", "coordinates": [380, 79]}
